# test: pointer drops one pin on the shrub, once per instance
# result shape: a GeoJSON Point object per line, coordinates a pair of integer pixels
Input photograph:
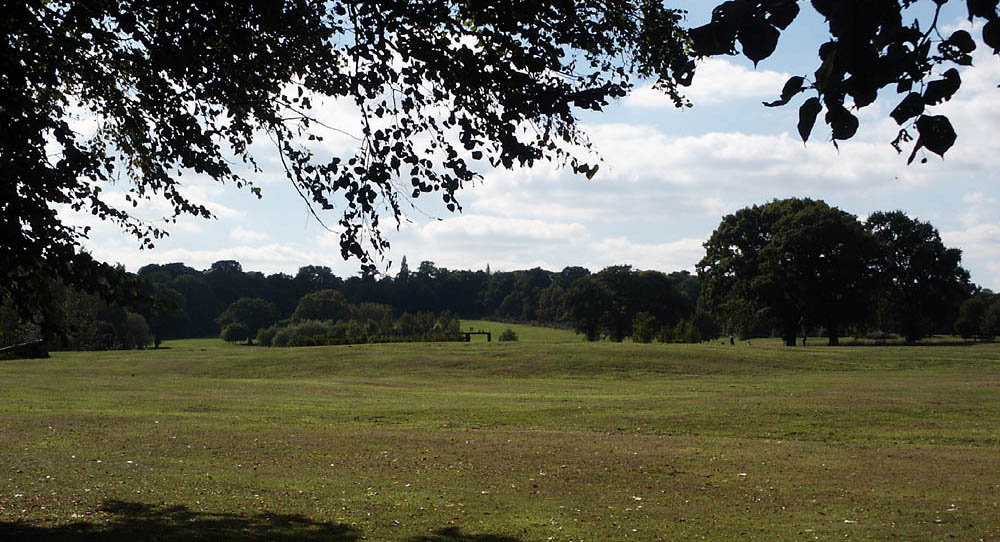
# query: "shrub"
{"type": "Point", "coordinates": [265, 337]}
{"type": "Point", "coordinates": [136, 332]}
{"type": "Point", "coordinates": [309, 333]}
{"type": "Point", "coordinates": [281, 337]}
{"type": "Point", "coordinates": [508, 335]}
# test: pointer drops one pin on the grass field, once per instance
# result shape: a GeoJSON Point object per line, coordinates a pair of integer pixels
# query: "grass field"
{"type": "Point", "coordinates": [547, 438]}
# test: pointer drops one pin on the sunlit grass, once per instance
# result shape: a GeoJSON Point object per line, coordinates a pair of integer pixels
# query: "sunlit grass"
{"type": "Point", "coordinates": [545, 438]}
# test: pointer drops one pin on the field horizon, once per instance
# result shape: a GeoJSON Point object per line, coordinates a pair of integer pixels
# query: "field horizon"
{"type": "Point", "coordinates": [546, 438]}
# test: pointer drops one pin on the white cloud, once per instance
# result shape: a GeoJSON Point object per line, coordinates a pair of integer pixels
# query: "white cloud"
{"type": "Point", "coordinates": [668, 257]}
{"type": "Point", "coordinates": [493, 228]}
{"type": "Point", "coordinates": [979, 237]}
{"type": "Point", "coordinates": [245, 235]}
{"type": "Point", "coordinates": [716, 81]}
{"type": "Point", "coordinates": [268, 258]}
{"type": "Point", "coordinates": [660, 191]}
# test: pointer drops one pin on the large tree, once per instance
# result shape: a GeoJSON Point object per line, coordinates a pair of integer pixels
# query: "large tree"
{"type": "Point", "coordinates": [587, 303]}
{"type": "Point", "coordinates": [252, 312]}
{"type": "Point", "coordinates": [797, 261]}
{"type": "Point", "coordinates": [323, 305]}
{"type": "Point", "coordinates": [922, 282]}
{"type": "Point", "coordinates": [441, 90]}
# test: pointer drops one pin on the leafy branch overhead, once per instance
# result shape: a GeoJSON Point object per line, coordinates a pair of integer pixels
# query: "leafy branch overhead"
{"type": "Point", "coordinates": [442, 89]}
{"type": "Point", "coordinates": [871, 47]}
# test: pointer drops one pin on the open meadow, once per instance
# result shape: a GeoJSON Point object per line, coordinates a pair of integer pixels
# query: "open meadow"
{"type": "Point", "coordinates": [547, 438]}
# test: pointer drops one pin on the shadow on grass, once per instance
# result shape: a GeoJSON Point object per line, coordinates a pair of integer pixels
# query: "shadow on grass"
{"type": "Point", "coordinates": [453, 534]}
{"type": "Point", "coordinates": [129, 521]}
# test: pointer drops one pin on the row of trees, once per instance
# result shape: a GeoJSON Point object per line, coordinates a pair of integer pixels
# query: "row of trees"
{"type": "Point", "coordinates": [201, 299]}
{"type": "Point", "coordinates": [784, 268]}
{"type": "Point", "coordinates": [799, 264]}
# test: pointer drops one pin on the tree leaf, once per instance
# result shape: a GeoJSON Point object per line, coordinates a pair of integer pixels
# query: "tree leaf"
{"type": "Point", "coordinates": [936, 134]}
{"type": "Point", "coordinates": [991, 35]}
{"type": "Point", "coordinates": [911, 106]}
{"type": "Point", "coordinates": [943, 89]}
{"type": "Point", "coordinates": [962, 41]}
{"type": "Point", "coordinates": [730, 14]}
{"type": "Point", "coordinates": [843, 123]}
{"type": "Point", "coordinates": [758, 39]}
{"type": "Point", "coordinates": [712, 40]}
{"type": "Point", "coordinates": [807, 117]}
{"type": "Point", "coordinates": [781, 13]}
{"type": "Point", "coordinates": [982, 8]}
{"type": "Point", "coordinates": [793, 86]}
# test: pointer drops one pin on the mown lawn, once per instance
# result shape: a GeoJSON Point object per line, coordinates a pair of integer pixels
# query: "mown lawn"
{"type": "Point", "coordinates": [547, 438]}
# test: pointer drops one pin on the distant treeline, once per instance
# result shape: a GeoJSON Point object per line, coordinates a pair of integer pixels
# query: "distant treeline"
{"type": "Point", "coordinates": [188, 303]}
{"type": "Point", "coordinates": [789, 267]}
{"type": "Point", "coordinates": [383, 308]}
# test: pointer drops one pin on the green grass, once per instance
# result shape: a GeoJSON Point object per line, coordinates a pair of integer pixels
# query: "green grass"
{"type": "Point", "coordinates": [547, 438]}
{"type": "Point", "coordinates": [524, 333]}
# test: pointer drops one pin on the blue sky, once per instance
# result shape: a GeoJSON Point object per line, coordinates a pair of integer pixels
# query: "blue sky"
{"type": "Point", "coordinates": [667, 179]}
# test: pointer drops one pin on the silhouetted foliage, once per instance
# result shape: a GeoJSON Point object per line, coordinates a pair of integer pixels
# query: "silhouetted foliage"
{"type": "Point", "coordinates": [252, 68]}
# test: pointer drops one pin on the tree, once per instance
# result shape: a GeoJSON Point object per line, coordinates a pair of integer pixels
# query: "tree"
{"type": "Point", "coordinates": [323, 305]}
{"type": "Point", "coordinates": [404, 271]}
{"type": "Point", "coordinates": [235, 332]}
{"type": "Point", "coordinates": [798, 261]}
{"type": "Point", "coordinates": [166, 315]}
{"type": "Point", "coordinates": [187, 88]}
{"type": "Point", "coordinates": [922, 281]}
{"type": "Point", "coordinates": [317, 277]}
{"type": "Point", "coordinates": [136, 332]}
{"type": "Point", "coordinates": [550, 303]}
{"type": "Point", "coordinates": [644, 327]}
{"type": "Point", "coordinates": [619, 280]}
{"type": "Point", "coordinates": [254, 313]}
{"type": "Point", "coordinates": [969, 323]}
{"type": "Point", "coordinates": [991, 320]}
{"type": "Point", "coordinates": [586, 303]}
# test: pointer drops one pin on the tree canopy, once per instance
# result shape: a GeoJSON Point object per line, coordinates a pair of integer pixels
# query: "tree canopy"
{"type": "Point", "coordinates": [802, 264]}
{"type": "Point", "coordinates": [799, 262]}
{"type": "Point", "coordinates": [441, 88]}
{"type": "Point", "coordinates": [922, 280]}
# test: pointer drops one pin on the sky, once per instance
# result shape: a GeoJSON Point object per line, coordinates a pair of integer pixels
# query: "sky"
{"type": "Point", "coordinates": [668, 177]}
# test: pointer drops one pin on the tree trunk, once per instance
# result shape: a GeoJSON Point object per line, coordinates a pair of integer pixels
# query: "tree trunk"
{"type": "Point", "coordinates": [833, 332]}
